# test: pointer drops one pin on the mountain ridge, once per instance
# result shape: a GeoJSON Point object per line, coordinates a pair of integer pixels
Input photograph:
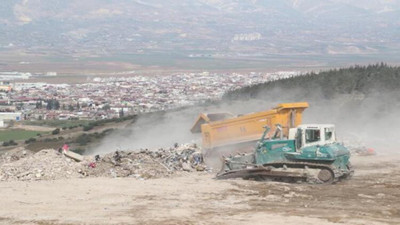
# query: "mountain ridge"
{"type": "Point", "coordinates": [105, 27]}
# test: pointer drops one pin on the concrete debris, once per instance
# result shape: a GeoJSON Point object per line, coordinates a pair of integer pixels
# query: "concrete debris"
{"type": "Point", "coordinates": [50, 164]}
{"type": "Point", "coordinates": [47, 164]}
{"type": "Point", "coordinates": [73, 155]}
{"type": "Point", "coordinates": [14, 155]}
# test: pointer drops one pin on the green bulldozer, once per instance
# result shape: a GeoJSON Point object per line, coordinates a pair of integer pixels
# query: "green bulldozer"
{"type": "Point", "coordinates": [309, 154]}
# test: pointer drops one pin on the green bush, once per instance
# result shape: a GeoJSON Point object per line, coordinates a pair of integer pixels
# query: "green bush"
{"type": "Point", "coordinates": [88, 127]}
{"type": "Point", "coordinates": [9, 143]}
{"type": "Point", "coordinates": [55, 131]}
{"type": "Point", "coordinates": [48, 140]}
{"type": "Point", "coordinates": [106, 131]}
{"type": "Point", "coordinates": [30, 140]}
{"type": "Point", "coordinates": [83, 139]}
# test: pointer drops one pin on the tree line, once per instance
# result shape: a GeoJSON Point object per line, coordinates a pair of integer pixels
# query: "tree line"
{"type": "Point", "coordinates": [365, 80]}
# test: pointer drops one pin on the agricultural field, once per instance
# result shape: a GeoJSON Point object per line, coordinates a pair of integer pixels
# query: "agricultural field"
{"type": "Point", "coordinates": [18, 134]}
{"type": "Point", "coordinates": [57, 123]}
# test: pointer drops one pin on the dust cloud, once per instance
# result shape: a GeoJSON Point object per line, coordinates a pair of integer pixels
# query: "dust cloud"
{"type": "Point", "coordinates": [363, 120]}
{"type": "Point", "coordinates": [370, 120]}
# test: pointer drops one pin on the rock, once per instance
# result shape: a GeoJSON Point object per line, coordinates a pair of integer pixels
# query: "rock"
{"type": "Point", "coordinates": [290, 195]}
{"type": "Point", "coordinates": [113, 174]}
{"type": "Point", "coordinates": [200, 168]}
{"type": "Point", "coordinates": [186, 167]}
{"type": "Point", "coordinates": [297, 195]}
{"type": "Point", "coordinates": [286, 189]}
{"type": "Point", "coordinates": [380, 195]}
{"type": "Point", "coordinates": [365, 196]}
{"type": "Point", "coordinates": [72, 155]}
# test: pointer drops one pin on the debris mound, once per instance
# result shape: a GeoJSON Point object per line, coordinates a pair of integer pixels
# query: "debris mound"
{"type": "Point", "coordinates": [14, 155]}
{"type": "Point", "coordinates": [50, 164]}
{"type": "Point", "coordinates": [46, 164]}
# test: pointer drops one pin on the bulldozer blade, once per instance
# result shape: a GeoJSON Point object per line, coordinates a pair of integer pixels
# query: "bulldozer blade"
{"type": "Point", "coordinates": [261, 173]}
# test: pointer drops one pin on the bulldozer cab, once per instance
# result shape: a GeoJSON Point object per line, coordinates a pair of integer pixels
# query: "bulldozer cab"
{"type": "Point", "coordinates": [314, 134]}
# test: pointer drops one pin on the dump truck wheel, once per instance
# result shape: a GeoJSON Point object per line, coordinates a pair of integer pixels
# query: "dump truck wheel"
{"type": "Point", "coordinates": [325, 176]}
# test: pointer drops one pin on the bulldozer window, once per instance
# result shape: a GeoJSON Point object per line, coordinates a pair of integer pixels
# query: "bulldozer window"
{"type": "Point", "coordinates": [328, 134]}
{"type": "Point", "coordinates": [312, 136]}
{"type": "Point", "coordinates": [299, 136]}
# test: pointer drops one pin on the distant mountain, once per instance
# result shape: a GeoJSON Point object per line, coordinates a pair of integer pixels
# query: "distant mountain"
{"type": "Point", "coordinates": [222, 27]}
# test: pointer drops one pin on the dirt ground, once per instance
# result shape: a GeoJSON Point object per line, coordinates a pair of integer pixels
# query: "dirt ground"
{"type": "Point", "coordinates": [370, 197]}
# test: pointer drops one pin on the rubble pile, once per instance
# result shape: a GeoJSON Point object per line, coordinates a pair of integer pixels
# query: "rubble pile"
{"type": "Point", "coordinates": [14, 155]}
{"type": "Point", "coordinates": [46, 164]}
{"type": "Point", "coordinates": [147, 164]}
{"type": "Point", "coordinates": [50, 164]}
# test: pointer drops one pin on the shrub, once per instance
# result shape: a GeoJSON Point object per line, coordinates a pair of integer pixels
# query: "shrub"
{"type": "Point", "coordinates": [106, 131]}
{"type": "Point", "coordinates": [87, 127]}
{"type": "Point", "coordinates": [55, 131]}
{"type": "Point", "coordinates": [9, 143]}
{"type": "Point", "coordinates": [83, 139]}
{"type": "Point", "coordinates": [30, 140]}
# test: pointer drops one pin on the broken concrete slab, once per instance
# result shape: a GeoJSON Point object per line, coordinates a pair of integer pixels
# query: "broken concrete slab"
{"type": "Point", "coordinates": [73, 155]}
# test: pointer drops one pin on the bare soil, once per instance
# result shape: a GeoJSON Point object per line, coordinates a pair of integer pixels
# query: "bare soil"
{"type": "Point", "coordinates": [370, 197]}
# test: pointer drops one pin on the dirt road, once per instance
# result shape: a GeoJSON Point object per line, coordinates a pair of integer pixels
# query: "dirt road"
{"type": "Point", "coordinates": [370, 197]}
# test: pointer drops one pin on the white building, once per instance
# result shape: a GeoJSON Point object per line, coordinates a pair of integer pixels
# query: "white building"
{"type": "Point", "coordinates": [16, 116]}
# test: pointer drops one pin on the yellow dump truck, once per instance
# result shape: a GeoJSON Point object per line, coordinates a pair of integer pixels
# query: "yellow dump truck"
{"type": "Point", "coordinates": [220, 130]}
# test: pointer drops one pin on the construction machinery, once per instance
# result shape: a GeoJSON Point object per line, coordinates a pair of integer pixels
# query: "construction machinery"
{"type": "Point", "coordinates": [221, 131]}
{"type": "Point", "coordinates": [311, 153]}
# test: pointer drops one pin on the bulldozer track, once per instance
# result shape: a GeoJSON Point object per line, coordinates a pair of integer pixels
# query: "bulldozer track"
{"type": "Point", "coordinates": [302, 165]}
{"type": "Point", "coordinates": [268, 171]}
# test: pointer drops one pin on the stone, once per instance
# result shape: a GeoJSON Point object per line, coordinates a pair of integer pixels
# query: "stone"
{"type": "Point", "coordinates": [186, 167]}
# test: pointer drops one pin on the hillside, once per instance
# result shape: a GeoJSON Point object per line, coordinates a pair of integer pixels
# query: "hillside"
{"type": "Point", "coordinates": [361, 82]}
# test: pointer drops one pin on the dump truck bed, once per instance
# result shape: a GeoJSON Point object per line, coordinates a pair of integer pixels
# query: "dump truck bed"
{"type": "Point", "coordinates": [249, 127]}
